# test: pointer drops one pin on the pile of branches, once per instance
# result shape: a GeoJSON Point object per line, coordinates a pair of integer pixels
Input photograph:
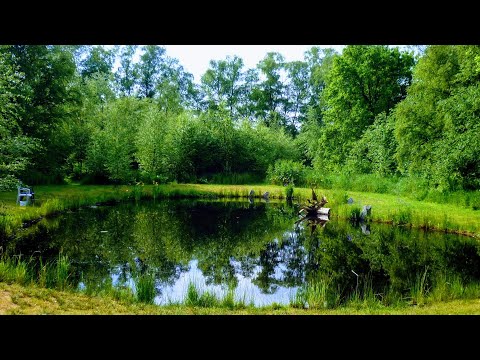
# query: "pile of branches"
{"type": "Point", "coordinates": [313, 206]}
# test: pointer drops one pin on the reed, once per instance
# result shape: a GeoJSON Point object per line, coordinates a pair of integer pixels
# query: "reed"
{"type": "Point", "coordinates": [13, 270]}
{"type": "Point", "coordinates": [62, 272]}
{"type": "Point", "coordinates": [318, 294]}
{"type": "Point", "coordinates": [145, 288]}
{"type": "Point", "coordinates": [419, 289]}
{"type": "Point", "coordinates": [195, 297]}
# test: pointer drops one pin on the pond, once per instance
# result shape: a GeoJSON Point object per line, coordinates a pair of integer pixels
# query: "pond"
{"type": "Point", "coordinates": [257, 250]}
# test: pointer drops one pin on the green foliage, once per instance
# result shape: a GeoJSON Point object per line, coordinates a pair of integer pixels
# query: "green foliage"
{"type": "Point", "coordinates": [98, 60]}
{"type": "Point", "coordinates": [236, 178]}
{"type": "Point", "coordinates": [15, 147]}
{"type": "Point", "coordinates": [222, 83]}
{"type": "Point", "coordinates": [318, 294]}
{"type": "Point", "coordinates": [151, 142]}
{"type": "Point", "coordinates": [145, 288]}
{"type": "Point", "coordinates": [375, 151]}
{"type": "Point", "coordinates": [364, 81]}
{"type": "Point", "coordinates": [354, 214]}
{"type": "Point", "coordinates": [286, 172]}
{"type": "Point", "coordinates": [62, 272]}
{"type": "Point", "coordinates": [127, 75]}
{"type": "Point", "coordinates": [13, 269]}
{"type": "Point", "coordinates": [149, 69]}
{"type": "Point", "coordinates": [113, 148]}
{"type": "Point", "coordinates": [356, 120]}
{"type": "Point", "coordinates": [437, 125]}
{"type": "Point", "coordinates": [47, 97]}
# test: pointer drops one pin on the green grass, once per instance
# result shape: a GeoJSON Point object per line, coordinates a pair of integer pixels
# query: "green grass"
{"type": "Point", "coordinates": [145, 288]}
{"type": "Point", "coordinates": [195, 296]}
{"type": "Point", "coordinates": [31, 299]}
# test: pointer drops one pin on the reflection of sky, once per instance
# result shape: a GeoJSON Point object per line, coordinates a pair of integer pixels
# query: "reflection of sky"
{"type": "Point", "coordinates": [246, 291]}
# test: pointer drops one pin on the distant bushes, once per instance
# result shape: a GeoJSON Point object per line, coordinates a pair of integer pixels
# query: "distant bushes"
{"type": "Point", "coordinates": [287, 172]}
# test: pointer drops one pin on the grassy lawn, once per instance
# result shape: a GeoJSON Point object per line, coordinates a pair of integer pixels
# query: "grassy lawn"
{"type": "Point", "coordinates": [32, 300]}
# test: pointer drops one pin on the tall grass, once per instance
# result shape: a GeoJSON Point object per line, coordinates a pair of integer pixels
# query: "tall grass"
{"type": "Point", "coordinates": [62, 271]}
{"type": "Point", "coordinates": [451, 287]}
{"type": "Point", "coordinates": [419, 289]}
{"type": "Point", "coordinates": [145, 288]}
{"type": "Point", "coordinates": [195, 296]}
{"type": "Point", "coordinates": [317, 294]}
{"type": "Point", "coordinates": [13, 270]}
{"type": "Point", "coordinates": [54, 274]}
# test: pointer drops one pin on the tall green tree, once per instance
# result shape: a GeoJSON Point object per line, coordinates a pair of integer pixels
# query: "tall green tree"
{"type": "Point", "coordinates": [223, 83]}
{"type": "Point", "coordinates": [268, 95]}
{"type": "Point", "coordinates": [15, 147]}
{"type": "Point", "coordinates": [98, 59]}
{"type": "Point", "coordinates": [246, 108]}
{"type": "Point", "coordinates": [152, 145]}
{"type": "Point", "coordinates": [150, 69]}
{"type": "Point", "coordinates": [319, 62]}
{"type": "Point", "coordinates": [112, 151]}
{"type": "Point", "coordinates": [176, 90]}
{"type": "Point", "coordinates": [126, 75]}
{"type": "Point", "coordinates": [48, 93]}
{"type": "Point", "coordinates": [297, 94]}
{"type": "Point", "coordinates": [364, 81]}
{"type": "Point", "coordinates": [437, 125]}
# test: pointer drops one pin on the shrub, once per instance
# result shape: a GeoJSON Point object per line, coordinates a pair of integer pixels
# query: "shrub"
{"type": "Point", "coordinates": [286, 172]}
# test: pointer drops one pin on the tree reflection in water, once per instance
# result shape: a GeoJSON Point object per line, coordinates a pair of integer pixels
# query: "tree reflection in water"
{"type": "Point", "coordinates": [236, 244]}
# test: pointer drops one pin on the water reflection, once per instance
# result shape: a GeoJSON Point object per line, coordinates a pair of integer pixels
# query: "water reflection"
{"type": "Point", "coordinates": [257, 248]}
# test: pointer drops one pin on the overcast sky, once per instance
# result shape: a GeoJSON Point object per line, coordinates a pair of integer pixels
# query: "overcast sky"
{"type": "Point", "coordinates": [195, 58]}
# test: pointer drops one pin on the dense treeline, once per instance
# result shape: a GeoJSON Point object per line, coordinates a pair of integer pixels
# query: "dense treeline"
{"type": "Point", "coordinates": [128, 114]}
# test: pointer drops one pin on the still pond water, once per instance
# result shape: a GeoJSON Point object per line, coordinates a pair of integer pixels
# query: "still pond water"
{"type": "Point", "coordinates": [257, 249]}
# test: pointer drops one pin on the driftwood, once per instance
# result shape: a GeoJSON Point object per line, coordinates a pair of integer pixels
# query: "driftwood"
{"type": "Point", "coordinates": [314, 212]}
{"type": "Point", "coordinates": [315, 207]}
{"type": "Point", "coordinates": [323, 211]}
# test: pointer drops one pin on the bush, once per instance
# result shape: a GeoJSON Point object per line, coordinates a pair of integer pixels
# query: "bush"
{"type": "Point", "coordinates": [286, 172]}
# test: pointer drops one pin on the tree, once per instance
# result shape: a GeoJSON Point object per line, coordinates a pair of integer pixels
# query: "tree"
{"type": "Point", "coordinates": [269, 94]}
{"type": "Point", "coordinates": [176, 90]}
{"type": "Point", "coordinates": [375, 151]}
{"type": "Point", "coordinates": [437, 126]}
{"type": "Point", "coordinates": [222, 83]}
{"type": "Point", "coordinates": [112, 151]}
{"type": "Point", "coordinates": [364, 81]}
{"type": "Point", "coordinates": [15, 147]}
{"type": "Point", "coordinates": [151, 145]}
{"type": "Point", "coordinates": [46, 94]}
{"type": "Point", "coordinates": [126, 75]}
{"type": "Point", "coordinates": [98, 60]}
{"type": "Point", "coordinates": [297, 93]}
{"type": "Point", "coordinates": [319, 62]}
{"type": "Point", "coordinates": [150, 69]}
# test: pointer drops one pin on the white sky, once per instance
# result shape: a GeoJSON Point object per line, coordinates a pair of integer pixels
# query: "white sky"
{"type": "Point", "coordinates": [195, 58]}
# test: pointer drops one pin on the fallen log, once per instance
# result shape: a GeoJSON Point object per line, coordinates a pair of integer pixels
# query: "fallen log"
{"type": "Point", "coordinates": [323, 211]}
